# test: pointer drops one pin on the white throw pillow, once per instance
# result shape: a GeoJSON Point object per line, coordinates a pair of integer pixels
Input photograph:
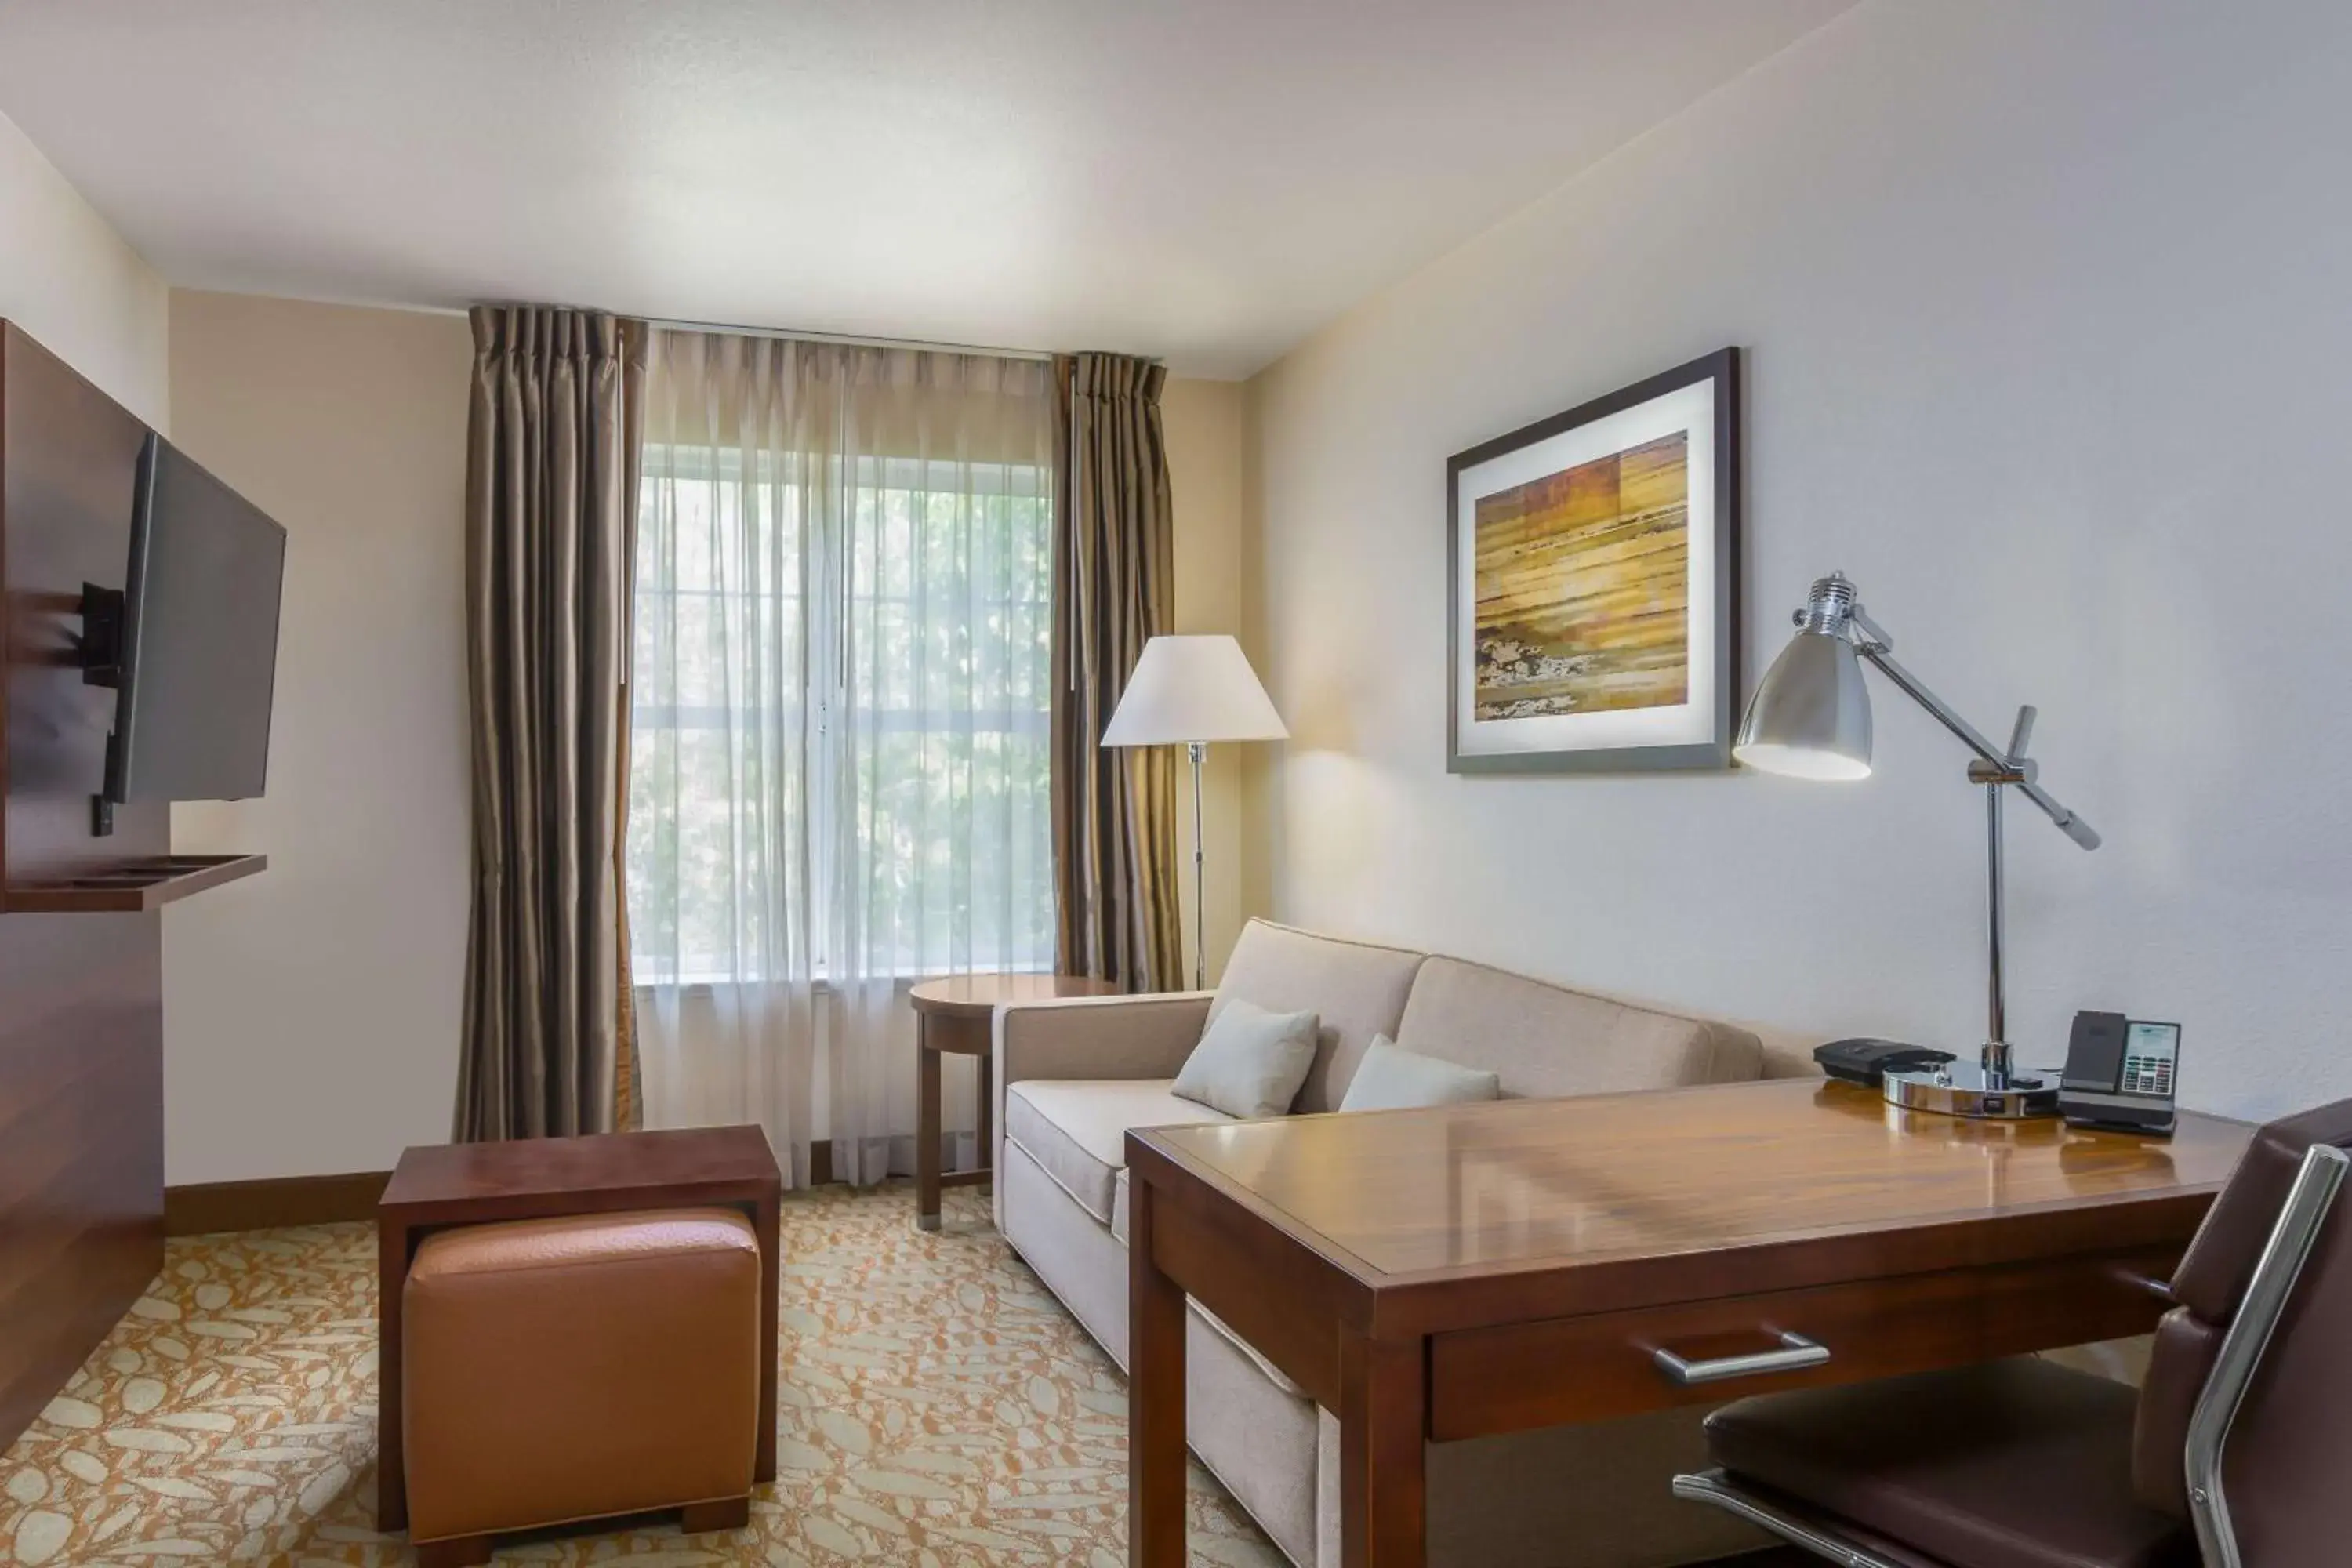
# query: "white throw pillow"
{"type": "Point", "coordinates": [1391, 1078]}
{"type": "Point", "coordinates": [1250, 1062]}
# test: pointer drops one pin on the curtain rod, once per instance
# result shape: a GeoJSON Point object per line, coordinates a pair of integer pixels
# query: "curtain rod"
{"type": "Point", "coordinates": [849, 340]}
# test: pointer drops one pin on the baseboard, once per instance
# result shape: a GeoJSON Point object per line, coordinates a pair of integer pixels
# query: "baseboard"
{"type": "Point", "coordinates": [209, 1207]}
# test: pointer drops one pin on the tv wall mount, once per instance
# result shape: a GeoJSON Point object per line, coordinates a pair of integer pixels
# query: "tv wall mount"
{"type": "Point", "coordinates": [101, 648]}
{"type": "Point", "coordinates": [100, 643]}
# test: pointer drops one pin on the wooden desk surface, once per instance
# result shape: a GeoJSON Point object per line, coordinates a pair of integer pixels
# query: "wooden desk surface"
{"type": "Point", "coordinates": [1659, 1197]}
{"type": "Point", "coordinates": [1434, 1275]}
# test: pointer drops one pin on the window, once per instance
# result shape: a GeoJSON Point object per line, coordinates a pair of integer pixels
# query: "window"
{"type": "Point", "coordinates": [840, 709]}
{"type": "Point", "coordinates": [948, 710]}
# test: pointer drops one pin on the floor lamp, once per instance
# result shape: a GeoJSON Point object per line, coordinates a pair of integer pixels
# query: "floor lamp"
{"type": "Point", "coordinates": [1189, 691]}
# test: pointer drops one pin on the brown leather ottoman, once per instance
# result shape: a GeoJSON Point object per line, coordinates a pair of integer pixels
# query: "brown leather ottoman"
{"type": "Point", "coordinates": [560, 1370]}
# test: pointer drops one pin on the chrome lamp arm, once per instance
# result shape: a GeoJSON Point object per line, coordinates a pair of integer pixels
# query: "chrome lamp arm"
{"type": "Point", "coordinates": [1873, 643]}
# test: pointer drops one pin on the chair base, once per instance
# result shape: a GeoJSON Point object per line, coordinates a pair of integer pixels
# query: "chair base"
{"type": "Point", "coordinates": [694, 1519]}
{"type": "Point", "coordinates": [1716, 1490]}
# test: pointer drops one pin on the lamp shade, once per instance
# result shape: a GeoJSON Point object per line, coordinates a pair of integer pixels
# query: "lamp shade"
{"type": "Point", "coordinates": [1810, 717]}
{"type": "Point", "coordinates": [1192, 689]}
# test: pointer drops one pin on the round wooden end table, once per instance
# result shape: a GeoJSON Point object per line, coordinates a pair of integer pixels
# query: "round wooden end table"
{"type": "Point", "coordinates": [957, 1015]}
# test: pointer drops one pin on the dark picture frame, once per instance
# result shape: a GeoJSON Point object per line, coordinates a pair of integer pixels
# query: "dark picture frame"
{"type": "Point", "coordinates": [1698, 733]}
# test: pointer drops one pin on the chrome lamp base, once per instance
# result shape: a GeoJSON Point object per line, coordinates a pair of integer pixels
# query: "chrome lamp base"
{"type": "Point", "coordinates": [1968, 1088]}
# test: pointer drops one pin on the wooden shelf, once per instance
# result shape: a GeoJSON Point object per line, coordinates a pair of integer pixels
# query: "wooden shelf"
{"type": "Point", "coordinates": [133, 887]}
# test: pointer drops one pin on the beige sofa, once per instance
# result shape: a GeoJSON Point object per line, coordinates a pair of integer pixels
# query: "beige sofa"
{"type": "Point", "coordinates": [1073, 1077]}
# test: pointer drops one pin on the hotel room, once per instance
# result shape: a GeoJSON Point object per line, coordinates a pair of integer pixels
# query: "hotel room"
{"type": "Point", "coordinates": [1248, 784]}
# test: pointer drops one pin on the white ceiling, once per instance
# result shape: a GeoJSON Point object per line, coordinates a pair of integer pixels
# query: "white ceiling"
{"type": "Point", "coordinates": [1204, 180]}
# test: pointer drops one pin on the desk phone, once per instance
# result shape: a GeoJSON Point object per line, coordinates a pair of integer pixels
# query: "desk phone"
{"type": "Point", "coordinates": [2120, 1074]}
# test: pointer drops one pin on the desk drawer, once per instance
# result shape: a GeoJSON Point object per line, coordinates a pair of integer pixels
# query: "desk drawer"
{"type": "Point", "coordinates": [1600, 1367]}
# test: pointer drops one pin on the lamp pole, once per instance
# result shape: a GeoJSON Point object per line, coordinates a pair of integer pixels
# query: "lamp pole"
{"type": "Point", "coordinates": [1997, 1054]}
{"type": "Point", "coordinates": [1198, 752]}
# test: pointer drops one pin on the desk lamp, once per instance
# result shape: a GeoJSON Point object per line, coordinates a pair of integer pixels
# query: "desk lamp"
{"type": "Point", "coordinates": [1810, 719]}
{"type": "Point", "coordinates": [1193, 690]}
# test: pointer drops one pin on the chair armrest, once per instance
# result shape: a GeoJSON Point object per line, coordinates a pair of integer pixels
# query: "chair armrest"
{"type": "Point", "coordinates": [1098, 1036]}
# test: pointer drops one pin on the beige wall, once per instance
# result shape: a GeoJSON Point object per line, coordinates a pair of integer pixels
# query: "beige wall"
{"type": "Point", "coordinates": [2045, 310]}
{"type": "Point", "coordinates": [1203, 424]}
{"type": "Point", "coordinates": [67, 279]}
{"type": "Point", "coordinates": [310, 1013]}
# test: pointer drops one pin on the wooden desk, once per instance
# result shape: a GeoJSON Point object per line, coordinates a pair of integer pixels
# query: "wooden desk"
{"type": "Point", "coordinates": [1434, 1275]}
{"type": "Point", "coordinates": [442, 1185]}
{"type": "Point", "coordinates": [957, 1015]}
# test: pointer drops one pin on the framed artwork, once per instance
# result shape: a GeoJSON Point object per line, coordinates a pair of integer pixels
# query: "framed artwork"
{"type": "Point", "coordinates": [1593, 566]}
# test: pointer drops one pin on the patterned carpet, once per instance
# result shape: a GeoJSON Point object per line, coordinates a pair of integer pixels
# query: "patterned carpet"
{"type": "Point", "coordinates": [937, 1407]}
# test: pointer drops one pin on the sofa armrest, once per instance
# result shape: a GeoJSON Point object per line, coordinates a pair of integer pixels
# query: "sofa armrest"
{"type": "Point", "coordinates": [1731, 1055]}
{"type": "Point", "coordinates": [1098, 1036]}
{"type": "Point", "coordinates": [1090, 1036]}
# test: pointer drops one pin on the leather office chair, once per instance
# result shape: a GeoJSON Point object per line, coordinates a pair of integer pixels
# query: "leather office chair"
{"type": "Point", "coordinates": [2237, 1453]}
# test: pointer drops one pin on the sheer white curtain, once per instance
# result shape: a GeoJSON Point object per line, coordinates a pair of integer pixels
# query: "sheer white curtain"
{"type": "Point", "coordinates": [839, 764]}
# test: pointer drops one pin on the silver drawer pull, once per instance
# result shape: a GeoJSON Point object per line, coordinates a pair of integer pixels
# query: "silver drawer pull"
{"type": "Point", "coordinates": [1796, 1354]}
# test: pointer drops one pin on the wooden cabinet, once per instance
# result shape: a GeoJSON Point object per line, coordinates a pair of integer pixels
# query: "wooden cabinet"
{"type": "Point", "coordinates": [81, 995]}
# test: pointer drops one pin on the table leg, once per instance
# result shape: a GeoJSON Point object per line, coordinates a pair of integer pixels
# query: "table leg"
{"type": "Point", "coordinates": [927, 1129]}
{"type": "Point", "coordinates": [984, 1156]}
{"type": "Point", "coordinates": [391, 1469]}
{"type": "Point", "coordinates": [1383, 1429]}
{"type": "Point", "coordinates": [1155, 1397]}
{"type": "Point", "coordinates": [767, 1219]}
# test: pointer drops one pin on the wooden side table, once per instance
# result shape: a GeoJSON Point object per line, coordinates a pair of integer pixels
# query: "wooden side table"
{"type": "Point", "coordinates": [443, 1185]}
{"type": "Point", "coordinates": [957, 1015]}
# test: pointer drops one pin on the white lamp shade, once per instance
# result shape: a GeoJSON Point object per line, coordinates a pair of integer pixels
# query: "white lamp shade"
{"type": "Point", "coordinates": [1192, 689]}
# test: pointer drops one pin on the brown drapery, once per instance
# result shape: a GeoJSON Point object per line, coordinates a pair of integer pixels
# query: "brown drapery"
{"type": "Point", "coordinates": [1114, 891]}
{"type": "Point", "coordinates": [550, 487]}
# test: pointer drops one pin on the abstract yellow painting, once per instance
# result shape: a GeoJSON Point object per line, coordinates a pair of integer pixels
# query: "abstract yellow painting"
{"type": "Point", "coordinates": [1593, 574]}
{"type": "Point", "coordinates": [1584, 588]}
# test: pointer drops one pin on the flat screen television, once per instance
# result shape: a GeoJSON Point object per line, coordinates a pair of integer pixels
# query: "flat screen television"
{"type": "Point", "coordinates": [198, 644]}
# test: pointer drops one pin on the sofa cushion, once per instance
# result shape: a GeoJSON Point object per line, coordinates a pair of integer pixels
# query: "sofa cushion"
{"type": "Point", "coordinates": [1391, 1078]}
{"type": "Point", "coordinates": [1547, 1040]}
{"type": "Point", "coordinates": [1250, 1062]}
{"type": "Point", "coordinates": [1076, 1129]}
{"type": "Point", "coordinates": [1356, 989]}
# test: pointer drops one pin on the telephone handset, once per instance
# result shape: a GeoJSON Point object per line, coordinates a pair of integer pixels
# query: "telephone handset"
{"type": "Point", "coordinates": [1867, 1061]}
